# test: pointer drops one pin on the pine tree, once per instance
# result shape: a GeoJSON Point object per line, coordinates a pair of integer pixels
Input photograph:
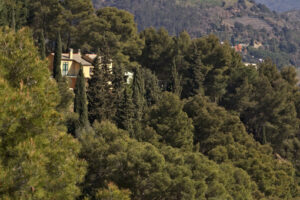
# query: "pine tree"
{"type": "Point", "coordinates": [170, 121]}
{"type": "Point", "coordinates": [171, 172]}
{"type": "Point", "coordinates": [42, 45]}
{"type": "Point", "coordinates": [138, 89]}
{"type": "Point", "coordinates": [80, 101]}
{"type": "Point", "coordinates": [33, 143]}
{"type": "Point", "coordinates": [57, 59]}
{"type": "Point", "coordinates": [113, 193]}
{"type": "Point", "coordinates": [101, 100]}
{"type": "Point", "coordinates": [66, 96]}
{"type": "Point", "coordinates": [289, 74]}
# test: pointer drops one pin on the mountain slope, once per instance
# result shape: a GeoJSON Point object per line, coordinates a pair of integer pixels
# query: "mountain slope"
{"type": "Point", "coordinates": [198, 17]}
{"type": "Point", "coordinates": [281, 5]}
{"type": "Point", "coordinates": [262, 33]}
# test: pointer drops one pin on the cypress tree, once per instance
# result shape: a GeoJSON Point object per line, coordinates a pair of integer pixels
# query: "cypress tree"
{"type": "Point", "coordinates": [80, 101]}
{"type": "Point", "coordinates": [125, 112]}
{"type": "Point", "coordinates": [175, 81]}
{"type": "Point", "coordinates": [100, 92]}
{"type": "Point", "coordinates": [152, 89]}
{"type": "Point", "coordinates": [119, 80]}
{"type": "Point", "coordinates": [57, 59]}
{"type": "Point", "coordinates": [42, 46]}
{"type": "Point", "coordinates": [195, 73]}
{"type": "Point", "coordinates": [264, 136]}
{"type": "Point", "coordinates": [118, 84]}
{"type": "Point", "coordinates": [138, 89]}
{"type": "Point", "coordinates": [13, 19]}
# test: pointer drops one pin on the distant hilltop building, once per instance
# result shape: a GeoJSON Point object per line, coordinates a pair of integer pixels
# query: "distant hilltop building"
{"type": "Point", "coordinates": [70, 65]}
{"type": "Point", "coordinates": [257, 44]}
{"type": "Point", "coordinates": [242, 48]}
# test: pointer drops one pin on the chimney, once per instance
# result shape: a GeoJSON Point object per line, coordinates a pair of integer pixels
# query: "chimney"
{"type": "Point", "coordinates": [79, 52]}
{"type": "Point", "coordinates": [71, 54]}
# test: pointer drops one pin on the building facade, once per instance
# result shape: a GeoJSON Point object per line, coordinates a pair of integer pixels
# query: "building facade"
{"type": "Point", "coordinates": [70, 65]}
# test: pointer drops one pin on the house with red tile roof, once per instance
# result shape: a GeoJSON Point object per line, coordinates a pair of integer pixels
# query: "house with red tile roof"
{"type": "Point", "coordinates": [71, 63]}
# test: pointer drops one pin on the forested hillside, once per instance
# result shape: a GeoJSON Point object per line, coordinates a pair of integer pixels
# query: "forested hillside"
{"type": "Point", "coordinates": [193, 123]}
{"type": "Point", "coordinates": [281, 5]}
{"type": "Point", "coordinates": [239, 22]}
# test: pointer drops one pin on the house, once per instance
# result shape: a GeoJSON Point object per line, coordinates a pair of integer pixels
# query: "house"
{"type": "Point", "coordinates": [257, 44]}
{"type": "Point", "coordinates": [238, 48]}
{"type": "Point", "coordinates": [251, 64]}
{"type": "Point", "coordinates": [70, 65]}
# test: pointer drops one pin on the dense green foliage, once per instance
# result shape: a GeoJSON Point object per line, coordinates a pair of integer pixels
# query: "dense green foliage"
{"type": "Point", "coordinates": [171, 123]}
{"type": "Point", "coordinates": [100, 94]}
{"type": "Point", "coordinates": [38, 159]}
{"type": "Point", "coordinates": [193, 122]}
{"type": "Point", "coordinates": [222, 137]}
{"type": "Point", "coordinates": [151, 172]}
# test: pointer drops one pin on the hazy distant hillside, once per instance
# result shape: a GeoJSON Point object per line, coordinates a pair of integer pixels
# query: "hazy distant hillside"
{"type": "Point", "coordinates": [198, 17]}
{"type": "Point", "coordinates": [281, 5]}
{"type": "Point", "coordinates": [262, 33]}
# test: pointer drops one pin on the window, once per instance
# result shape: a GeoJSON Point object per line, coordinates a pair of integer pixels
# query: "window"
{"type": "Point", "coordinates": [65, 69]}
{"type": "Point", "coordinates": [91, 70]}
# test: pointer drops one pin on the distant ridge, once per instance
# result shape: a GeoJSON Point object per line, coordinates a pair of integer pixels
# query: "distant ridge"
{"type": "Point", "coordinates": [281, 5]}
{"type": "Point", "coordinates": [263, 33]}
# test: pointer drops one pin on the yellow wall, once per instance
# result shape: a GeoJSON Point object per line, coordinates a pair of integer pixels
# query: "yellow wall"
{"type": "Point", "coordinates": [73, 71]}
{"type": "Point", "coordinates": [69, 68]}
{"type": "Point", "coordinates": [73, 67]}
{"type": "Point", "coordinates": [86, 71]}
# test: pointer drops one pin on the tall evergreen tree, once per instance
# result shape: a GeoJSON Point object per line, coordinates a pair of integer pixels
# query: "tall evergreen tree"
{"type": "Point", "coordinates": [57, 59]}
{"type": "Point", "coordinates": [223, 59]}
{"type": "Point", "coordinates": [42, 45]}
{"type": "Point", "coordinates": [138, 89]}
{"type": "Point", "coordinates": [13, 13]}
{"type": "Point", "coordinates": [125, 111]}
{"type": "Point", "coordinates": [152, 88]}
{"type": "Point", "coordinates": [175, 81]}
{"type": "Point", "coordinates": [13, 19]}
{"type": "Point", "coordinates": [101, 100]}
{"type": "Point", "coordinates": [195, 72]}
{"type": "Point", "coordinates": [118, 83]}
{"type": "Point", "coordinates": [80, 101]}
